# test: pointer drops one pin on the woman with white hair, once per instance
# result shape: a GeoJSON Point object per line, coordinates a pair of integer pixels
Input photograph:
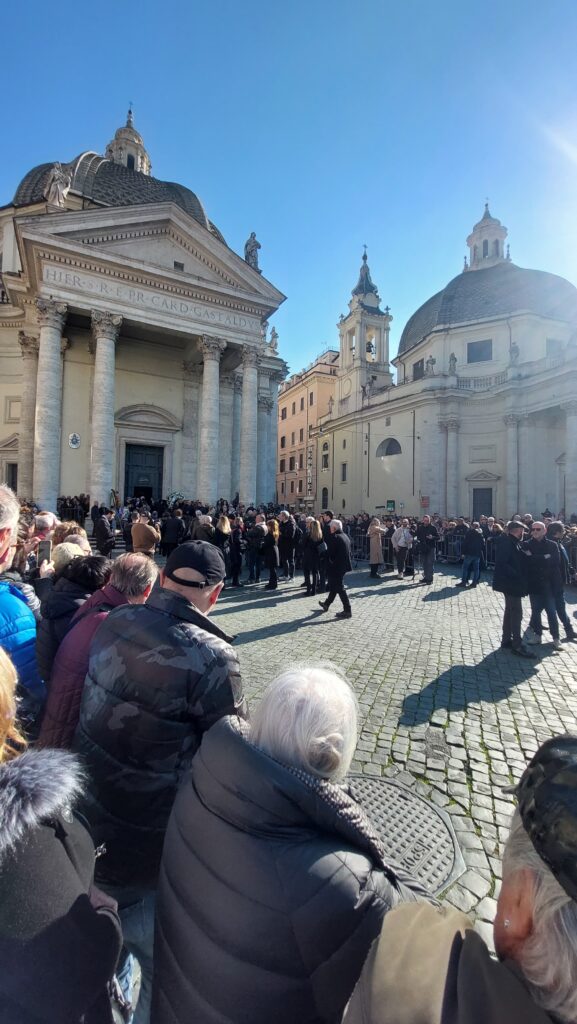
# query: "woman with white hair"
{"type": "Point", "coordinates": [273, 884]}
{"type": "Point", "coordinates": [429, 966]}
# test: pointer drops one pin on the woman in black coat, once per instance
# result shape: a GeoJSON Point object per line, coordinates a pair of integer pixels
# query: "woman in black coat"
{"type": "Point", "coordinates": [236, 542]}
{"type": "Point", "coordinates": [70, 589]}
{"type": "Point", "coordinates": [313, 546]}
{"type": "Point", "coordinates": [273, 884]}
{"type": "Point", "coordinates": [270, 553]}
{"type": "Point", "coordinates": [59, 937]}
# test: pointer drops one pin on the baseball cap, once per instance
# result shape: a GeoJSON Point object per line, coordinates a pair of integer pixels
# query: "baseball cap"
{"type": "Point", "coordinates": [205, 558]}
{"type": "Point", "coordinates": [514, 525]}
{"type": "Point", "coordinates": [547, 800]}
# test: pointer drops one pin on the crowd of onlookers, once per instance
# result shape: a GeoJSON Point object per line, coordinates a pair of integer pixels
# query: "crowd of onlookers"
{"type": "Point", "coordinates": [146, 818]}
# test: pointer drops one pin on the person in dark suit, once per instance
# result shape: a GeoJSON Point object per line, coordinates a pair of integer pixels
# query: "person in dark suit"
{"type": "Point", "coordinates": [338, 564]}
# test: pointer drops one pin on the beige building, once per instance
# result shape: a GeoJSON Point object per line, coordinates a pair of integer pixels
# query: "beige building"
{"type": "Point", "coordinates": [483, 415]}
{"type": "Point", "coordinates": [134, 354]}
{"type": "Point", "coordinates": [304, 398]}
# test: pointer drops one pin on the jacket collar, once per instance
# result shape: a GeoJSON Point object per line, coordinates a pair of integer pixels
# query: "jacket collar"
{"type": "Point", "coordinates": [35, 787]}
{"type": "Point", "coordinates": [173, 604]}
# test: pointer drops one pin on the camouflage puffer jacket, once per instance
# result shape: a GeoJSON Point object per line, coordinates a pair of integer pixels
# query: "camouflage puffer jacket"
{"type": "Point", "coordinates": [159, 675]}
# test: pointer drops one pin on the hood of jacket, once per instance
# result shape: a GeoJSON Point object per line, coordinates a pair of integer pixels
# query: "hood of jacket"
{"type": "Point", "coordinates": [35, 787]}
{"type": "Point", "coordinates": [64, 597]}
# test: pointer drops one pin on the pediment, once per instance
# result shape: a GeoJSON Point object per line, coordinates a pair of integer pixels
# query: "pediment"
{"type": "Point", "coordinates": [143, 415]}
{"type": "Point", "coordinates": [9, 444]}
{"type": "Point", "coordinates": [483, 475]}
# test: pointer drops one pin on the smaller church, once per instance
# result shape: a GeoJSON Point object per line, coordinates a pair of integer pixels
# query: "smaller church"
{"type": "Point", "coordinates": [134, 344]}
{"type": "Point", "coordinates": [482, 415]}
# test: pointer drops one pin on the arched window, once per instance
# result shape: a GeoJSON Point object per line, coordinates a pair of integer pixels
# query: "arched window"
{"type": "Point", "coordinates": [325, 497]}
{"type": "Point", "coordinates": [130, 162]}
{"type": "Point", "coordinates": [325, 456]}
{"type": "Point", "coordinates": [390, 446]}
{"type": "Point", "coordinates": [496, 251]}
{"type": "Point", "coordinates": [485, 249]}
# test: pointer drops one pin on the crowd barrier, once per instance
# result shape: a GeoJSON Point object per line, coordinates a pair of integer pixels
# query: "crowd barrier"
{"type": "Point", "coordinates": [448, 550]}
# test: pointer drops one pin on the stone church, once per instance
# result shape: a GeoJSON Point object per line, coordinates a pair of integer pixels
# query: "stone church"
{"type": "Point", "coordinates": [134, 350]}
{"type": "Point", "coordinates": [482, 417]}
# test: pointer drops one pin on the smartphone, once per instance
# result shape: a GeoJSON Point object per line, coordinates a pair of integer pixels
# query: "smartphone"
{"type": "Point", "coordinates": [44, 551]}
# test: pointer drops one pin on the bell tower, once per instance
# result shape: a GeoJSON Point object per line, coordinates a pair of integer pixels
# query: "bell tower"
{"type": "Point", "coordinates": [487, 242]}
{"type": "Point", "coordinates": [364, 343]}
{"type": "Point", "coordinates": [127, 148]}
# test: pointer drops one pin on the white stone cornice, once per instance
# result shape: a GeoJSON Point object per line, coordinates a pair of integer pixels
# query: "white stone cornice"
{"type": "Point", "coordinates": [28, 344]}
{"type": "Point", "coordinates": [211, 348]}
{"type": "Point", "coordinates": [50, 313]}
{"type": "Point", "coordinates": [105, 325]}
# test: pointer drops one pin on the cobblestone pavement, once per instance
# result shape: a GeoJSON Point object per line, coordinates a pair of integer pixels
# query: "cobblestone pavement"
{"type": "Point", "coordinates": [443, 709]}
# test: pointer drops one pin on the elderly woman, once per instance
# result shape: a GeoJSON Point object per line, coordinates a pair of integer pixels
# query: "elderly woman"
{"type": "Point", "coordinates": [375, 534]}
{"type": "Point", "coordinates": [273, 884]}
{"type": "Point", "coordinates": [430, 967]}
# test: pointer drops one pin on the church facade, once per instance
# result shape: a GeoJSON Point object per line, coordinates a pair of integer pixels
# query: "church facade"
{"type": "Point", "coordinates": [134, 347]}
{"type": "Point", "coordinates": [482, 417]}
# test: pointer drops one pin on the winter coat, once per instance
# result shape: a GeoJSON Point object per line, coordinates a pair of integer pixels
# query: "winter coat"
{"type": "Point", "coordinates": [159, 675]}
{"type": "Point", "coordinates": [402, 538]}
{"type": "Point", "coordinates": [473, 544]}
{"type": "Point", "coordinates": [272, 888]}
{"type": "Point", "coordinates": [270, 552]}
{"type": "Point", "coordinates": [145, 537]}
{"type": "Point", "coordinates": [63, 601]}
{"type": "Point", "coordinates": [104, 536]}
{"type": "Point", "coordinates": [26, 589]}
{"type": "Point", "coordinates": [511, 575]}
{"type": "Point", "coordinates": [286, 544]}
{"type": "Point", "coordinates": [57, 951]}
{"type": "Point", "coordinates": [18, 639]}
{"type": "Point", "coordinates": [311, 552]}
{"type": "Point", "coordinates": [223, 541]}
{"type": "Point", "coordinates": [256, 535]}
{"type": "Point", "coordinates": [544, 564]}
{"type": "Point", "coordinates": [427, 536]}
{"type": "Point", "coordinates": [375, 535]}
{"type": "Point", "coordinates": [236, 549]}
{"type": "Point", "coordinates": [203, 531]}
{"type": "Point", "coordinates": [429, 966]}
{"type": "Point", "coordinates": [339, 558]}
{"type": "Point", "coordinates": [173, 530]}
{"type": "Point", "coordinates": [70, 666]}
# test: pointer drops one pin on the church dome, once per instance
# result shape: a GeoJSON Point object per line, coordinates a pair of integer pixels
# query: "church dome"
{"type": "Point", "coordinates": [500, 290]}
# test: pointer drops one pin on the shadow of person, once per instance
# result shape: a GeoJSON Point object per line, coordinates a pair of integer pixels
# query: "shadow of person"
{"type": "Point", "coordinates": [490, 681]}
{"type": "Point", "coordinates": [444, 592]}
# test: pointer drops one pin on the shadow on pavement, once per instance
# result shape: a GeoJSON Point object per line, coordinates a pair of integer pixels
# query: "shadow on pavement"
{"type": "Point", "coordinates": [440, 595]}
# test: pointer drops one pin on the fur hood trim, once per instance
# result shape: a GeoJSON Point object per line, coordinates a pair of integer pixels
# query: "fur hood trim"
{"type": "Point", "coordinates": [35, 787]}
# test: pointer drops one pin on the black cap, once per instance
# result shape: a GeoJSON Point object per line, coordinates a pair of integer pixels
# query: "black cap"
{"type": "Point", "coordinates": [547, 796]}
{"type": "Point", "coordinates": [205, 558]}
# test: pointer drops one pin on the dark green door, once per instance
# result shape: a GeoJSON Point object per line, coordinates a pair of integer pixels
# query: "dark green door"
{"type": "Point", "coordinates": [143, 471]}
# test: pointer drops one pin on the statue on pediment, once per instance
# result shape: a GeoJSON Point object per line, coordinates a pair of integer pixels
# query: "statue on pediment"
{"type": "Point", "coordinates": [514, 353]}
{"type": "Point", "coordinates": [58, 185]}
{"type": "Point", "coordinates": [251, 247]}
{"type": "Point", "coordinates": [452, 364]}
{"type": "Point", "coordinates": [274, 340]}
{"type": "Point", "coordinates": [430, 366]}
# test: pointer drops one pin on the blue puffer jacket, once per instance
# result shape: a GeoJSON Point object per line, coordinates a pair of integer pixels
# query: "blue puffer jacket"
{"type": "Point", "coordinates": [18, 639]}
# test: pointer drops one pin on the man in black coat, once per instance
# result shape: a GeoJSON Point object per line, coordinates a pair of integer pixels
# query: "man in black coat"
{"type": "Point", "coordinates": [326, 519]}
{"type": "Point", "coordinates": [544, 577]}
{"type": "Point", "coordinates": [473, 550]}
{"type": "Point", "coordinates": [511, 579]}
{"type": "Point", "coordinates": [104, 532]}
{"type": "Point", "coordinates": [338, 564]}
{"type": "Point", "coordinates": [427, 536]}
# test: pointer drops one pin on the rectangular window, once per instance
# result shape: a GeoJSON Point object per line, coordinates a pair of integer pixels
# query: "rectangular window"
{"type": "Point", "coordinates": [301, 461]}
{"type": "Point", "coordinates": [292, 486]}
{"type": "Point", "coordinates": [325, 464]}
{"type": "Point", "coordinates": [302, 404]}
{"type": "Point", "coordinates": [479, 351]}
{"type": "Point", "coordinates": [343, 472]}
{"type": "Point", "coordinates": [300, 487]}
{"type": "Point", "coordinates": [291, 463]}
{"type": "Point", "coordinates": [282, 487]}
{"type": "Point", "coordinates": [344, 443]}
{"type": "Point", "coordinates": [282, 465]}
{"type": "Point", "coordinates": [293, 437]}
{"type": "Point", "coordinates": [301, 435]}
{"type": "Point", "coordinates": [178, 266]}
{"type": "Point", "coordinates": [419, 369]}
{"type": "Point", "coordinates": [283, 442]}
{"type": "Point", "coordinates": [283, 413]}
{"type": "Point", "coordinates": [312, 398]}
{"type": "Point", "coordinates": [294, 408]}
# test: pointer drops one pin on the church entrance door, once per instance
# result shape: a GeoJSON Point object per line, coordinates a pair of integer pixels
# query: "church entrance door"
{"type": "Point", "coordinates": [143, 471]}
{"type": "Point", "coordinates": [482, 502]}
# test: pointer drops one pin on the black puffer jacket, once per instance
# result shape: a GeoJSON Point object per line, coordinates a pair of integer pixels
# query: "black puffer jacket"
{"type": "Point", "coordinates": [61, 604]}
{"type": "Point", "coordinates": [159, 675]}
{"type": "Point", "coordinates": [272, 889]}
{"type": "Point", "coordinates": [511, 575]}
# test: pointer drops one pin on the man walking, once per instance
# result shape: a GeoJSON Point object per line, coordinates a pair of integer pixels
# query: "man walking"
{"type": "Point", "coordinates": [402, 541]}
{"type": "Point", "coordinates": [325, 521]}
{"type": "Point", "coordinates": [511, 579]}
{"type": "Point", "coordinates": [338, 564]}
{"type": "Point", "coordinates": [427, 536]}
{"type": "Point", "coordinates": [160, 674]}
{"type": "Point", "coordinates": [473, 550]}
{"type": "Point", "coordinates": [544, 573]}
{"type": "Point", "coordinates": [556, 532]}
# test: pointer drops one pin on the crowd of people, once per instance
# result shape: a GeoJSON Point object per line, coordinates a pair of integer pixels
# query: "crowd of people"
{"type": "Point", "coordinates": [147, 818]}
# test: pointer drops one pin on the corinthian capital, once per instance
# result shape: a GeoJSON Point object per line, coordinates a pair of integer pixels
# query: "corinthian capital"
{"type": "Point", "coordinates": [452, 425]}
{"type": "Point", "coordinates": [50, 313]}
{"type": "Point", "coordinates": [511, 420]}
{"type": "Point", "coordinates": [28, 344]}
{"type": "Point", "coordinates": [250, 356]}
{"type": "Point", "coordinates": [211, 348]}
{"type": "Point", "coordinates": [105, 325]}
{"type": "Point", "coordinates": [266, 403]}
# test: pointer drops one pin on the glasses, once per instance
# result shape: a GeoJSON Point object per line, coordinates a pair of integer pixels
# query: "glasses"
{"type": "Point", "coordinates": [537, 529]}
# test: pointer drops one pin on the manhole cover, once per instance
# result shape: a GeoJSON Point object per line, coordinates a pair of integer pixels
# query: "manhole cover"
{"type": "Point", "coordinates": [414, 832]}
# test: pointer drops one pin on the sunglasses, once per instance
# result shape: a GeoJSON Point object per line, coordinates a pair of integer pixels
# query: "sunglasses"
{"type": "Point", "coordinates": [537, 529]}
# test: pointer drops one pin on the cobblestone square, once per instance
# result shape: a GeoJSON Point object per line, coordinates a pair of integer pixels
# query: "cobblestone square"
{"type": "Point", "coordinates": [443, 708]}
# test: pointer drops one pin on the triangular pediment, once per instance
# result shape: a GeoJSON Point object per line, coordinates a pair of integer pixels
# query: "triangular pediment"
{"type": "Point", "coordinates": [482, 475]}
{"type": "Point", "coordinates": [9, 444]}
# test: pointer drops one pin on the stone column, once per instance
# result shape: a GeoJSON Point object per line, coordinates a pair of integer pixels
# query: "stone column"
{"type": "Point", "coordinates": [570, 409]}
{"type": "Point", "coordinates": [527, 497]}
{"type": "Point", "coordinates": [275, 380]}
{"type": "Point", "coordinates": [453, 467]}
{"type": "Point", "coordinates": [29, 347]}
{"type": "Point", "coordinates": [512, 478]}
{"type": "Point", "coordinates": [105, 329]}
{"type": "Point", "coordinates": [263, 449]}
{"type": "Point", "coordinates": [190, 423]}
{"type": "Point", "coordinates": [236, 418]}
{"type": "Point", "coordinates": [248, 424]}
{"type": "Point", "coordinates": [48, 411]}
{"type": "Point", "coordinates": [442, 470]}
{"type": "Point", "coordinates": [211, 349]}
{"type": "Point", "coordinates": [226, 428]}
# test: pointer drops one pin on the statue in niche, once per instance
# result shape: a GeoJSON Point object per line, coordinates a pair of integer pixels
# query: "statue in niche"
{"type": "Point", "coordinates": [251, 247]}
{"type": "Point", "coordinates": [273, 340]}
{"type": "Point", "coordinates": [430, 366]}
{"type": "Point", "coordinates": [452, 364]}
{"type": "Point", "coordinates": [514, 353]}
{"type": "Point", "coordinates": [58, 185]}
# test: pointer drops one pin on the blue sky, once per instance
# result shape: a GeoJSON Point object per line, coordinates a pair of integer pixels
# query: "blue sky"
{"type": "Point", "coordinates": [321, 126]}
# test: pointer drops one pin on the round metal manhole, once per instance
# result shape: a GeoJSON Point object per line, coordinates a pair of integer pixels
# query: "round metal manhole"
{"type": "Point", "coordinates": [415, 833]}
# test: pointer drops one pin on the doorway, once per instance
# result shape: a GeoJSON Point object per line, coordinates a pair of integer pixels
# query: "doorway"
{"type": "Point", "coordinates": [143, 471]}
{"type": "Point", "coordinates": [482, 502]}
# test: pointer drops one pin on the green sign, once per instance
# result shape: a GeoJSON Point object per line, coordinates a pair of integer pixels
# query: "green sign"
{"type": "Point", "coordinates": [390, 506]}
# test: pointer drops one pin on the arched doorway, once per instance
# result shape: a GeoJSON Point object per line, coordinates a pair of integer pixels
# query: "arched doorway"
{"type": "Point", "coordinates": [324, 497]}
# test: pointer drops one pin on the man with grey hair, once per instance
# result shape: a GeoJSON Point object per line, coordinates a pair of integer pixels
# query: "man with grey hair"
{"type": "Point", "coordinates": [17, 622]}
{"type": "Point", "coordinates": [338, 564]}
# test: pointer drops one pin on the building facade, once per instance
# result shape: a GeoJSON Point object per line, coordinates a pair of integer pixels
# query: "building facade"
{"type": "Point", "coordinates": [483, 415]}
{"type": "Point", "coordinates": [134, 354]}
{"type": "Point", "coordinates": [304, 398]}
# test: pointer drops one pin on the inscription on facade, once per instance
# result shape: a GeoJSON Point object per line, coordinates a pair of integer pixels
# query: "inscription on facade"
{"type": "Point", "coordinates": [146, 298]}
